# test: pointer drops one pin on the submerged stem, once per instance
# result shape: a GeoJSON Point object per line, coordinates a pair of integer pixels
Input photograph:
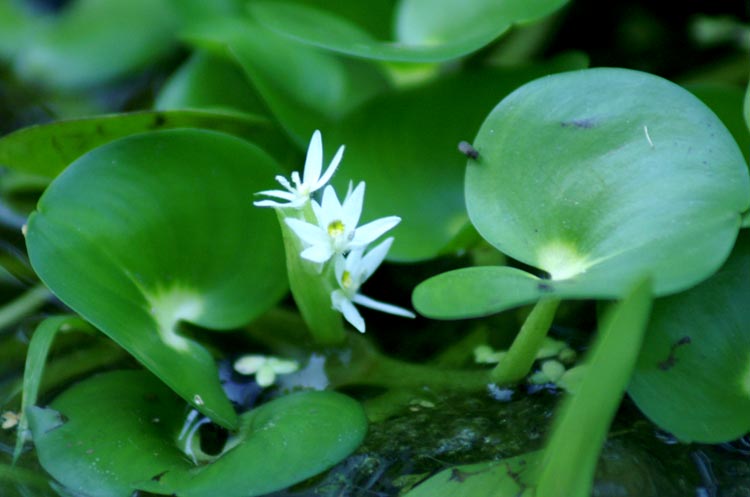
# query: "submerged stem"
{"type": "Point", "coordinates": [518, 361]}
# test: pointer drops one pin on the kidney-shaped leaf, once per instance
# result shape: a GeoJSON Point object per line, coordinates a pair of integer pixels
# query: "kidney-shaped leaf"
{"type": "Point", "coordinates": [597, 177]}
{"type": "Point", "coordinates": [608, 172]}
{"type": "Point", "coordinates": [696, 357]}
{"type": "Point", "coordinates": [427, 30]}
{"type": "Point", "coordinates": [121, 431]}
{"type": "Point", "coordinates": [157, 228]}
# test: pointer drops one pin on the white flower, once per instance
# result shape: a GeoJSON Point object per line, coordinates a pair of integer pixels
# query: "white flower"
{"type": "Point", "coordinates": [351, 272]}
{"type": "Point", "coordinates": [337, 231]}
{"type": "Point", "coordinates": [298, 195]}
{"type": "Point", "coordinates": [265, 368]}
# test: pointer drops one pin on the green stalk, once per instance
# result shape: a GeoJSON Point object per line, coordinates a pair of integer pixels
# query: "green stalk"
{"type": "Point", "coordinates": [518, 361]}
{"type": "Point", "coordinates": [24, 305]}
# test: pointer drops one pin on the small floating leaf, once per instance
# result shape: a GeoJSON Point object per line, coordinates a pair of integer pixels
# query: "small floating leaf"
{"type": "Point", "coordinates": [118, 432]}
{"type": "Point", "coordinates": [154, 229]}
{"type": "Point", "coordinates": [696, 357]}
{"type": "Point", "coordinates": [512, 477]}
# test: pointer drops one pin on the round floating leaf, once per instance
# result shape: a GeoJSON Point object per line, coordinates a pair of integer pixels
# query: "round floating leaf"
{"type": "Point", "coordinates": [159, 228]}
{"type": "Point", "coordinates": [696, 357]}
{"type": "Point", "coordinates": [47, 149]}
{"type": "Point", "coordinates": [606, 173]}
{"type": "Point", "coordinates": [83, 45]}
{"type": "Point", "coordinates": [427, 30]}
{"type": "Point", "coordinates": [122, 431]}
{"type": "Point", "coordinates": [412, 166]}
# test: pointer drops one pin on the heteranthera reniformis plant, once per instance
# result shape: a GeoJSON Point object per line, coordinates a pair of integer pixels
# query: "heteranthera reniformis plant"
{"type": "Point", "coordinates": [203, 314]}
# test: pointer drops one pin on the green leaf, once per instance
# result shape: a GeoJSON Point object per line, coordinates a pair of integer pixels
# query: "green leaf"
{"type": "Point", "coordinates": [47, 149]}
{"type": "Point", "coordinates": [572, 453]}
{"type": "Point", "coordinates": [427, 31]}
{"type": "Point", "coordinates": [512, 477]}
{"type": "Point", "coordinates": [206, 81]}
{"type": "Point", "coordinates": [726, 101]}
{"type": "Point", "coordinates": [303, 87]}
{"type": "Point", "coordinates": [83, 46]}
{"type": "Point", "coordinates": [695, 357]}
{"type": "Point", "coordinates": [121, 431]}
{"type": "Point", "coordinates": [159, 228]}
{"type": "Point", "coordinates": [595, 177]}
{"type": "Point", "coordinates": [36, 359]}
{"type": "Point", "coordinates": [419, 173]}
{"type": "Point", "coordinates": [17, 25]}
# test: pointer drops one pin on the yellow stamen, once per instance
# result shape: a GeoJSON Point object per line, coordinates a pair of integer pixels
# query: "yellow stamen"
{"type": "Point", "coordinates": [346, 279]}
{"type": "Point", "coordinates": [336, 228]}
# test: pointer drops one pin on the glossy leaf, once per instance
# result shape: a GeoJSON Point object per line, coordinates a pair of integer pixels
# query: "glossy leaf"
{"type": "Point", "coordinates": [418, 173]}
{"type": "Point", "coordinates": [83, 46]}
{"type": "Point", "coordinates": [696, 358]}
{"type": "Point", "coordinates": [47, 149]}
{"type": "Point", "coordinates": [572, 453]}
{"type": "Point", "coordinates": [427, 31]}
{"type": "Point", "coordinates": [159, 228]}
{"type": "Point", "coordinates": [627, 173]}
{"type": "Point", "coordinates": [304, 87]}
{"type": "Point", "coordinates": [121, 431]}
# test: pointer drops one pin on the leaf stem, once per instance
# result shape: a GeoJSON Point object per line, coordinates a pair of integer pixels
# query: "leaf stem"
{"type": "Point", "coordinates": [27, 303]}
{"type": "Point", "coordinates": [518, 361]}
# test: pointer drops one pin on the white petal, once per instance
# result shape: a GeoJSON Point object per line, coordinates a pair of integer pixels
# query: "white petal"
{"type": "Point", "coordinates": [352, 208]}
{"type": "Point", "coordinates": [308, 233]}
{"type": "Point", "coordinates": [296, 180]}
{"type": "Point", "coordinates": [382, 306]}
{"type": "Point", "coordinates": [330, 208]}
{"type": "Point", "coordinates": [372, 230]}
{"type": "Point", "coordinates": [331, 169]}
{"type": "Point", "coordinates": [265, 376]}
{"type": "Point", "coordinates": [342, 304]}
{"type": "Point", "coordinates": [278, 194]}
{"type": "Point", "coordinates": [373, 259]}
{"type": "Point", "coordinates": [249, 364]}
{"type": "Point", "coordinates": [269, 203]}
{"type": "Point", "coordinates": [285, 183]}
{"type": "Point", "coordinates": [317, 253]}
{"type": "Point", "coordinates": [281, 366]}
{"type": "Point", "coordinates": [314, 160]}
{"type": "Point", "coordinates": [340, 265]}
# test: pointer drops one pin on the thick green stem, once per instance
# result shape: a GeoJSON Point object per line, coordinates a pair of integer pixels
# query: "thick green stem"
{"type": "Point", "coordinates": [518, 361]}
{"type": "Point", "coordinates": [24, 305]}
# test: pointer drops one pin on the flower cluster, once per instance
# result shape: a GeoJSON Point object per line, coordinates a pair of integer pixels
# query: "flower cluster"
{"type": "Point", "coordinates": [330, 233]}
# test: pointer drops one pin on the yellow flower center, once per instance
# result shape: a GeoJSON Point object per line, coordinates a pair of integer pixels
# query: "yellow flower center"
{"type": "Point", "coordinates": [346, 279]}
{"type": "Point", "coordinates": [336, 228]}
